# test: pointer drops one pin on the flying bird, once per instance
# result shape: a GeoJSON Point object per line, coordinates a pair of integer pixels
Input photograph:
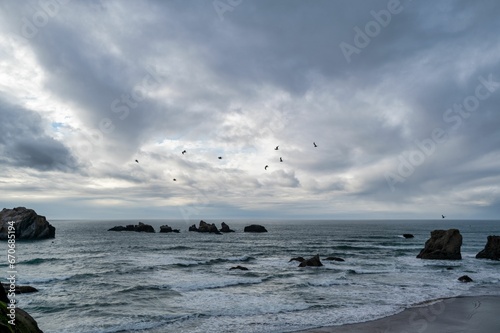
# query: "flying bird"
{"type": "Point", "coordinates": [267, 166]}
{"type": "Point", "coordinates": [281, 160]}
{"type": "Point", "coordinates": [183, 152]}
{"type": "Point", "coordinates": [220, 157]}
{"type": "Point", "coordinates": [136, 161]}
{"type": "Point", "coordinates": [315, 145]}
{"type": "Point", "coordinates": [443, 216]}
{"type": "Point", "coordinates": [276, 148]}
{"type": "Point", "coordinates": [174, 180]}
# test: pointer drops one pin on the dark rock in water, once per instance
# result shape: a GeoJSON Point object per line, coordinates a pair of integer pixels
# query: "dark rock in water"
{"type": "Point", "coordinates": [465, 278]}
{"type": "Point", "coordinates": [166, 228]}
{"type": "Point", "coordinates": [491, 249]}
{"type": "Point", "coordinates": [205, 227]}
{"type": "Point", "coordinates": [27, 224]}
{"type": "Point", "coordinates": [225, 228]}
{"type": "Point", "coordinates": [299, 259]}
{"type": "Point", "coordinates": [21, 289]}
{"type": "Point", "coordinates": [141, 227]}
{"type": "Point", "coordinates": [254, 228]}
{"type": "Point", "coordinates": [314, 261]}
{"type": "Point", "coordinates": [443, 245]}
{"type": "Point", "coordinates": [408, 236]}
{"type": "Point", "coordinates": [118, 228]}
{"type": "Point", "coordinates": [334, 259]}
{"type": "Point", "coordinates": [239, 267]}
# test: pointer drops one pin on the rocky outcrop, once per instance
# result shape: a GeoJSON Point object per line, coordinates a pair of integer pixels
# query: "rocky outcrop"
{"type": "Point", "coordinates": [166, 229]}
{"type": "Point", "coordinates": [27, 223]}
{"type": "Point", "coordinates": [314, 261]}
{"type": "Point", "coordinates": [491, 249]}
{"type": "Point", "coordinates": [443, 245]}
{"type": "Point", "coordinates": [22, 289]}
{"type": "Point", "coordinates": [465, 278]}
{"type": "Point", "coordinates": [225, 228]}
{"type": "Point", "coordinates": [334, 259]}
{"type": "Point", "coordinates": [254, 228]}
{"type": "Point", "coordinates": [408, 236]}
{"type": "Point", "coordinates": [141, 227]}
{"type": "Point", "coordinates": [24, 323]}
{"type": "Point", "coordinates": [205, 227]}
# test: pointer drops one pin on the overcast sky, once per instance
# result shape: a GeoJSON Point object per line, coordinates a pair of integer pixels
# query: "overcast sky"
{"type": "Point", "coordinates": [401, 98]}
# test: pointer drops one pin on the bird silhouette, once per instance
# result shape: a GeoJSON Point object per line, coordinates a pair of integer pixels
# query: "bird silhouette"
{"type": "Point", "coordinates": [174, 180]}
{"type": "Point", "coordinates": [315, 145]}
{"type": "Point", "coordinates": [220, 157]}
{"type": "Point", "coordinates": [267, 166]}
{"type": "Point", "coordinates": [281, 160]}
{"type": "Point", "coordinates": [276, 148]}
{"type": "Point", "coordinates": [183, 152]}
{"type": "Point", "coordinates": [443, 216]}
{"type": "Point", "coordinates": [136, 161]}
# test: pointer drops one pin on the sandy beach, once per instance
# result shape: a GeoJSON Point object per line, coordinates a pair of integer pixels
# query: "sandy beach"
{"type": "Point", "coordinates": [462, 314]}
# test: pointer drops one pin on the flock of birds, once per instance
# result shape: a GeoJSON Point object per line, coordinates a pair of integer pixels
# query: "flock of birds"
{"type": "Point", "coordinates": [220, 158]}
{"type": "Point", "coordinates": [265, 168]}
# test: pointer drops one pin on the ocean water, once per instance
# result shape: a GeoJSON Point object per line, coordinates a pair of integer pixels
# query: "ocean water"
{"type": "Point", "coordinates": [94, 280]}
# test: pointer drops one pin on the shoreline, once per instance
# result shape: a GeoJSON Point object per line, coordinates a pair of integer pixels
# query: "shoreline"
{"type": "Point", "coordinates": [471, 314]}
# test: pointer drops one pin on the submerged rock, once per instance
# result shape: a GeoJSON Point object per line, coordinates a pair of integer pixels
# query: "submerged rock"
{"type": "Point", "coordinates": [491, 249]}
{"type": "Point", "coordinates": [240, 268]}
{"type": "Point", "coordinates": [314, 261]}
{"type": "Point", "coordinates": [334, 259]}
{"type": "Point", "coordinates": [465, 278]}
{"type": "Point", "coordinates": [141, 227]}
{"type": "Point", "coordinates": [443, 245]}
{"type": "Point", "coordinates": [27, 223]}
{"type": "Point", "coordinates": [254, 228]}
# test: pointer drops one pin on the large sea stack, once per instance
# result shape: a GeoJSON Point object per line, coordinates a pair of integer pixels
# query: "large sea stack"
{"type": "Point", "coordinates": [28, 224]}
{"type": "Point", "coordinates": [443, 245]}
{"type": "Point", "coordinates": [491, 249]}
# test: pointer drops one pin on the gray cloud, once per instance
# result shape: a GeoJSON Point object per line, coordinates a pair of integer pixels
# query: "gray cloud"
{"type": "Point", "coordinates": [24, 143]}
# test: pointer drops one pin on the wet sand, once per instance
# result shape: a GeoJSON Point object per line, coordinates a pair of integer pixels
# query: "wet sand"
{"type": "Point", "coordinates": [479, 314]}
